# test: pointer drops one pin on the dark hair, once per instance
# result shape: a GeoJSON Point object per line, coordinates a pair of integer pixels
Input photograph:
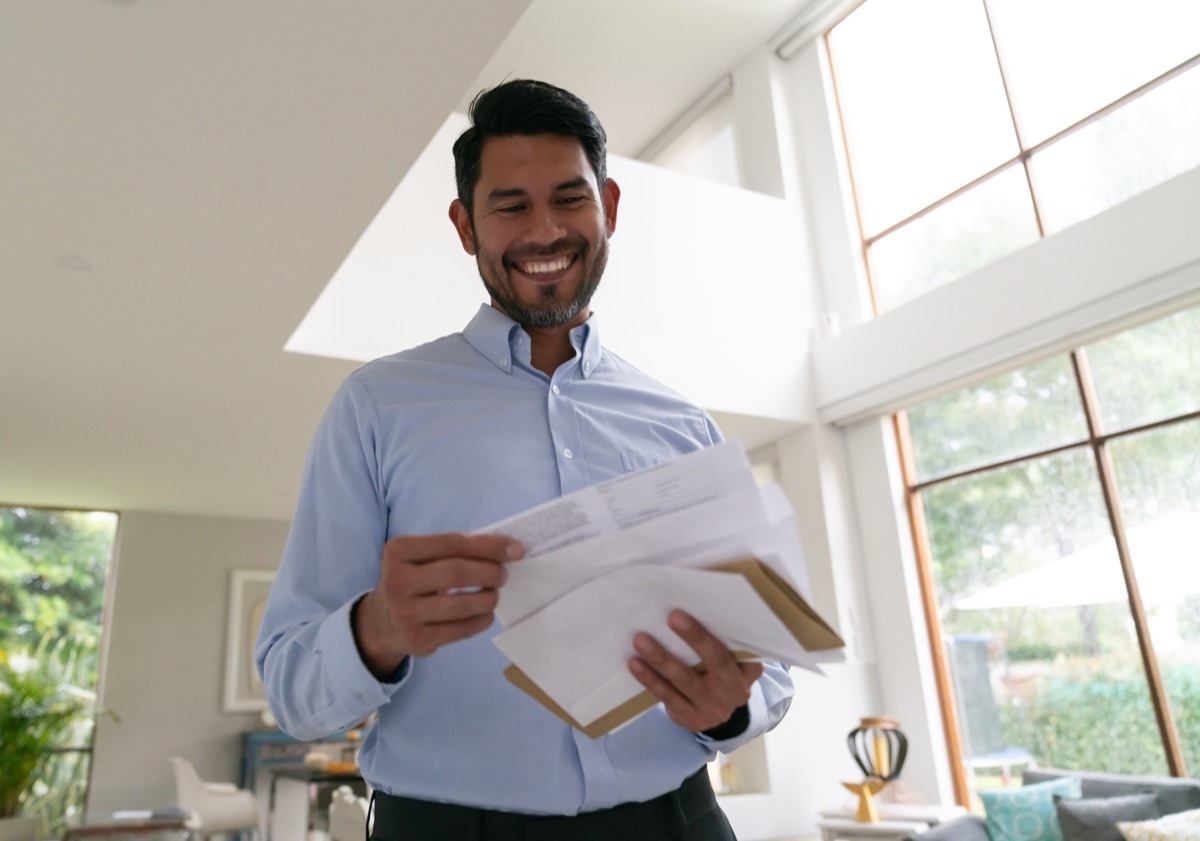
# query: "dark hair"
{"type": "Point", "coordinates": [525, 106]}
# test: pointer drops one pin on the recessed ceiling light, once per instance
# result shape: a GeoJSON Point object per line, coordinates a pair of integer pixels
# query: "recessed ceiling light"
{"type": "Point", "coordinates": [74, 262]}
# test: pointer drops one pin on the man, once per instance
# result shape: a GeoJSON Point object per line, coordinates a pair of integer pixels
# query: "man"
{"type": "Point", "coordinates": [384, 599]}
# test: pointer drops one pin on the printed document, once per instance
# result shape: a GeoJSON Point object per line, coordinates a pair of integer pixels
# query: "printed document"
{"type": "Point", "coordinates": [613, 559]}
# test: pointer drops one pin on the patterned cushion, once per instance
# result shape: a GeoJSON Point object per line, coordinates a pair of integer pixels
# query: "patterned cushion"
{"type": "Point", "coordinates": [1181, 826]}
{"type": "Point", "coordinates": [1027, 813]}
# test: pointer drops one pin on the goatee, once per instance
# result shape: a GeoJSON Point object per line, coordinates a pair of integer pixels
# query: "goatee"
{"type": "Point", "coordinates": [548, 311]}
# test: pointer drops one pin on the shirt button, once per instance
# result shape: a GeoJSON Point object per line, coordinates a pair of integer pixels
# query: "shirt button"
{"type": "Point", "coordinates": [554, 388]}
{"type": "Point", "coordinates": [587, 366]}
{"type": "Point", "coordinates": [567, 452]}
{"type": "Point", "coordinates": [520, 340]}
{"type": "Point", "coordinates": [503, 361]}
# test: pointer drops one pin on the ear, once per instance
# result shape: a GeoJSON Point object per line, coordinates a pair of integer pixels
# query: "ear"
{"type": "Point", "coordinates": [462, 225]}
{"type": "Point", "coordinates": [612, 196]}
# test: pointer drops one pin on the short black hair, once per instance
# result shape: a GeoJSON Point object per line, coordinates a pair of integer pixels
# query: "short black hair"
{"type": "Point", "coordinates": [525, 106]}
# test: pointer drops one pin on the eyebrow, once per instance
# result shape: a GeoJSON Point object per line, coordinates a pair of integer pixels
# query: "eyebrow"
{"type": "Point", "coordinates": [498, 195]}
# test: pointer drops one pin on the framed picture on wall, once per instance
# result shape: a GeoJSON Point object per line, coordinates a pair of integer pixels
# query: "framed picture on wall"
{"type": "Point", "coordinates": [247, 599]}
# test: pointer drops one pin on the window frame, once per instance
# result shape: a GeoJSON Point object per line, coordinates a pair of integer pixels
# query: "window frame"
{"type": "Point", "coordinates": [1096, 440]}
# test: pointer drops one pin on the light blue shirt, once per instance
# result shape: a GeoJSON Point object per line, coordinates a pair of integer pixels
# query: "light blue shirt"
{"type": "Point", "coordinates": [452, 436]}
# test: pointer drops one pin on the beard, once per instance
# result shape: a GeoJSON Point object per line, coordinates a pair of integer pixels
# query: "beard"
{"type": "Point", "coordinates": [552, 308]}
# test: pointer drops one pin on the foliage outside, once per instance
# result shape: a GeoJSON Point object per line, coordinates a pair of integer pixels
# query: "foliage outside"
{"type": "Point", "coordinates": [1064, 671]}
{"type": "Point", "coordinates": [53, 566]}
{"type": "Point", "coordinates": [36, 713]}
{"type": "Point", "coordinates": [1090, 719]}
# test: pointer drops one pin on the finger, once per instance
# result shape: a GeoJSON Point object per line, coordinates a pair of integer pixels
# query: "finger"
{"type": "Point", "coordinates": [682, 677]}
{"type": "Point", "coordinates": [420, 548]}
{"type": "Point", "coordinates": [423, 640]}
{"type": "Point", "coordinates": [714, 654]}
{"type": "Point", "coordinates": [455, 574]}
{"type": "Point", "coordinates": [751, 670]}
{"type": "Point", "coordinates": [677, 705]}
{"type": "Point", "coordinates": [455, 607]}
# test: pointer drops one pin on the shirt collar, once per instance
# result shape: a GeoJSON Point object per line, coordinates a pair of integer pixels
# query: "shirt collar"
{"type": "Point", "coordinates": [493, 333]}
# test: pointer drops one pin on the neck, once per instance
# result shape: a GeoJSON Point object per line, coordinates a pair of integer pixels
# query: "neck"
{"type": "Point", "coordinates": [550, 347]}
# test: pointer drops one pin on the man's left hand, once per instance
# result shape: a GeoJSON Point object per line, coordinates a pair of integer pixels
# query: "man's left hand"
{"type": "Point", "coordinates": [694, 700]}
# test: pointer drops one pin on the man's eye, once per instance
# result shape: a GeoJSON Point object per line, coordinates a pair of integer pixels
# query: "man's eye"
{"type": "Point", "coordinates": [570, 199]}
{"type": "Point", "coordinates": [511, 208]}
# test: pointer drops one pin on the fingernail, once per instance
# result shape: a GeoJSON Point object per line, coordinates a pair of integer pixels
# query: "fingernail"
{"type": "Point", "coordinates": [642, 644]}
{"type": "Point", "coordinates": [681, 621]}
{"type": "Point", "coordinates": [514, 550]}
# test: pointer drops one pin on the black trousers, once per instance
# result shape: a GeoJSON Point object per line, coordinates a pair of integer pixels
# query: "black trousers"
{"type": "Point", "coordinates": [690, 813]}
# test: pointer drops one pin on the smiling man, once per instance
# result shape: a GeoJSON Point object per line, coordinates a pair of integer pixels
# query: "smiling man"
{"type": "Point", "coordinates": [384, 598]}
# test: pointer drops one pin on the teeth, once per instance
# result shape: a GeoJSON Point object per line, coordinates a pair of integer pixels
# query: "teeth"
{"type": "Point", "coordinates": [555, 265]}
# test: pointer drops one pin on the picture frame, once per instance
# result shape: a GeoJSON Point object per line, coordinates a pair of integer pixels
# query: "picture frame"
{"type": "Point", "coordinates": [248, 590]}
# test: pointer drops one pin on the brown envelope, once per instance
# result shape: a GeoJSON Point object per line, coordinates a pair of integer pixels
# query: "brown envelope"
{"type": "Point", "coordinates": [809, 629]}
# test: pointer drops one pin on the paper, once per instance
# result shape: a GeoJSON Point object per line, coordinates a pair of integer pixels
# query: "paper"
{"type": "Point", "coordinates": [611, 560]}
{"type": "Point", "coordinates": [546, 646]}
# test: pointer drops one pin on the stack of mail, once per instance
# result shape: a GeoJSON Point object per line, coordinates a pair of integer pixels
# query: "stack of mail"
{"type": "Point", "coordinates": [696, 533]}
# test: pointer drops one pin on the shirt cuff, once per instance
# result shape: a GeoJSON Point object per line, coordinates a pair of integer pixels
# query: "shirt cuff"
{"type": "Point", "coordinates": [729, 736]}
{"type": "Point", "coordinates": [735, 726]}
{"type": "Point", "coordinates": [358, 689]}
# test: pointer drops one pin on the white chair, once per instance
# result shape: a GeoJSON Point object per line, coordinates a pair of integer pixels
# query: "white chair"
{"type": "Point", "coordinates": [347, 815]}
{"type": "Point", "coordinates": [213, 807]}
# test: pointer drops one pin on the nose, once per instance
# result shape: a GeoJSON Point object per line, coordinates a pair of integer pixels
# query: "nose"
{"type": "Point", "coordinates": [545, 224]}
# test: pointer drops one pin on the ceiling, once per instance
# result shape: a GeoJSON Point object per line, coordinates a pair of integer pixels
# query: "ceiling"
{"type": "Point", "coordinates": [182, 179]}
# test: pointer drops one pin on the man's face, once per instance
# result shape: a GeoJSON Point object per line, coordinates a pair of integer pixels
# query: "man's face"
{"type": "Point", "coordinates": [540, 228]}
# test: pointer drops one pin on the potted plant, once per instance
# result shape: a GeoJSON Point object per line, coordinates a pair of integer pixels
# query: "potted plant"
{"type": "Point", "coordinates": [35, 711]}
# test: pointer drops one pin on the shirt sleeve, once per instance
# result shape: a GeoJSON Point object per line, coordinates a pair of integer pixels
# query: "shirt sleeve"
{"type": "Point", "coordinates": [770, 697]}
{"type": "Point", "coordinates": [314, 677]}
{"type": "Point", "coordinates": [771, 694]}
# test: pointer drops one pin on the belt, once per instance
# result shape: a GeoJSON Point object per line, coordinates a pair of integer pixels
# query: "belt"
{"type": "Point", "coordinates": [666, 816]}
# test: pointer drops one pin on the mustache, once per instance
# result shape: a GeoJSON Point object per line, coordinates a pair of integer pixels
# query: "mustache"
{"type": "Point", "coordinates": [559, 246]}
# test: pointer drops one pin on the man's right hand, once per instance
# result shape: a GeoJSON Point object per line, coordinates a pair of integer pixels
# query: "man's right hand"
{"type": "Point", "coordinates": [433, 589]}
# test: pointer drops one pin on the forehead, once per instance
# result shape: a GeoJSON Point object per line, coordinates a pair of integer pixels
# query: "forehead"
{"type": "Point", "coordinates": [530, 161]}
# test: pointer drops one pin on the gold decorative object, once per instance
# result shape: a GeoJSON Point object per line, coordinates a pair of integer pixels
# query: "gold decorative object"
{"type": "Point", "coordinates": [879, 749]}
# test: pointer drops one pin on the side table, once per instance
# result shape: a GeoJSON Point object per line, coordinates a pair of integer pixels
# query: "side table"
{"type": "Point", "coordinates": [300, 801]}
{"type": "Point", "coordinates": [848, 829]}
{"type": "Point", "coordinates": [94, 826]}
{"type": "Point", "coordinates": [921, 812]}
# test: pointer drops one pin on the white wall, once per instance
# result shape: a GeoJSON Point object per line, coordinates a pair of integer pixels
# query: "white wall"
{"type": "Point", "coordinates": [1130, 263]}
{"type": "Point", "coordinates": [165, 665]}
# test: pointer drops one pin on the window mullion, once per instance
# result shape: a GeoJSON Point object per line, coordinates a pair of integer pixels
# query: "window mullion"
{"type": "Point", "coordinates": [933, 622]}
{"type": "Point", "coordinates": [1022, 146]}
{"type": "Point", "coordinates": [1108, 486]}
{"type": "Point", "coordinates": [865, 246]}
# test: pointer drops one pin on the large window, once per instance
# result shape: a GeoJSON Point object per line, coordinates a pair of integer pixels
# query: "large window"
{"type": "Point", "coordinates": [54, 567]}
{"type": "Point", "coordinates": [975, 126]}
{"type": "Point", "coordinates": [1056, 508]}
{"type": "Point", "coordinates": [1061, 509]}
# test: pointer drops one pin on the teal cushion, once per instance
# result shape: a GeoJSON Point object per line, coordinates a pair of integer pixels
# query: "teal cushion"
{"type": "Point", "coordinates": [1027, 813]}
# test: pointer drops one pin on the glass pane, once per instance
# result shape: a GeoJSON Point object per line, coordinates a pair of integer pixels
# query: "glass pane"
{"type": "Point", "coordinates": [922, 103]}
{"type": "Point", "coordinates": [59, 791]}
{"type": "Point", "coordinates": [53, 567]}
{"type": "Point", "coordinates": [1140, 145]}
{"type": "Point", "coordinates": [1158, 473]}
{"type": "Point", "coordinates": [1021, 412]}
{"type": "Point", "coordinates": [1170, 347]}
{"type": "Point", "coordinates": [1043, 656]}
{"type": "Point", "coordinates": [982, 225]}
{"type": "Point", "coordinates": [1065, 59]}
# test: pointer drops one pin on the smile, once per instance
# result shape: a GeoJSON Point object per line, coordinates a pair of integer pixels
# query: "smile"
{"type": "Point", "coordinates": [547, 266]}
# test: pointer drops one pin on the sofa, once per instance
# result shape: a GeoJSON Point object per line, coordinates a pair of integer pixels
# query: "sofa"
{"type": "Point", "coordinates": [1171, 796]}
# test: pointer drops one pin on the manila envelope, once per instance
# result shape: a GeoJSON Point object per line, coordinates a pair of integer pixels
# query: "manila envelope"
{"type": "Point", "coordinates": [804, 623]}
